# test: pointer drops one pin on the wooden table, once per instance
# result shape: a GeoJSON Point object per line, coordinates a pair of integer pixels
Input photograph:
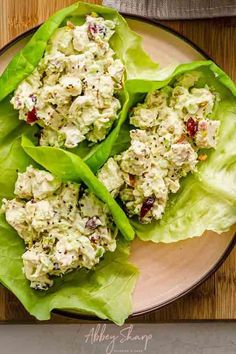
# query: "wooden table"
{"type": "Point", "coordinates": [213, 300]}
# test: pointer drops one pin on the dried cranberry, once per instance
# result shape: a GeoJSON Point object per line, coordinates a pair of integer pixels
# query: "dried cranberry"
{"type": "Point", "coordinates": [94, 238]}
{"type": "Point", "coordinates": [92, 223]}
{"type": "Point", "coordinates": [32, 116]}
{"type": "Point", "coordinates": [147, 205]}
{"type": "Point", "coordinates": [93, 28]}
{"type": "Point", "coordinates": [192, 127]}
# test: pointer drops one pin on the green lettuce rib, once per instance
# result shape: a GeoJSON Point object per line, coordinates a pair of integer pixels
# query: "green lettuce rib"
{"type": "Point", "coordinates": [207, 198]}
{"type": "Point", "coordinates": [70, 167]}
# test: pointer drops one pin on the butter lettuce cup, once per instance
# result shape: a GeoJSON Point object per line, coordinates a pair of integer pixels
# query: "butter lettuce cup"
{"type": "Point", "coordinates": [176, 176]}
{"type": "Point", "coordinates": [69, 81]}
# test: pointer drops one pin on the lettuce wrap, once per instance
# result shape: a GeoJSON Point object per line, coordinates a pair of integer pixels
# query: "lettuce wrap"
{"type": "Point", "coordinates": [207, 198]}
{"type": "Point", "coordinates": [126, 45]}
{"type": "Point", "coordinates": [83, 291]}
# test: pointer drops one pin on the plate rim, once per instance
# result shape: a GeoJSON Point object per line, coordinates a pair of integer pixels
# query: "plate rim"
{"type": "Point", "coordinates": [229, 248]}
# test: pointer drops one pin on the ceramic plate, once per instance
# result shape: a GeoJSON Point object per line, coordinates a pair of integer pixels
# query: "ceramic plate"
{"type": "Point", "coordinates": [167, 271]}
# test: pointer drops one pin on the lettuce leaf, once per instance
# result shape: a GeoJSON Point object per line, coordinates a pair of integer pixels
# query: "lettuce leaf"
{"type": "Point", "coordinates": [190, 212]}
{"type": "Point", "coordinates": [70, 167]}
{"type": "Point", "coordinates": [104, 292]}
{"type": "Point", "coordinates": [207, 198]}
{"type": "Point", "coordinates": [12, 156]}
{"type": "Point", "coordinates": [126, 44]}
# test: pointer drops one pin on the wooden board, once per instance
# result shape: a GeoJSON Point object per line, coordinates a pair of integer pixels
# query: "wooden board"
{"type": "Point", "coordinates": [215, 299]}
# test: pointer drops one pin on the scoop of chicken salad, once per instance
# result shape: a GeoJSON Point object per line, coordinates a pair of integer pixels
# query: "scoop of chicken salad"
{"type": "Point", "coordinates": [62, 230]}
{"type": "Point", "coordinates": [173, 125]}
{"type": "Point", "coordinates": [72, 92]}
